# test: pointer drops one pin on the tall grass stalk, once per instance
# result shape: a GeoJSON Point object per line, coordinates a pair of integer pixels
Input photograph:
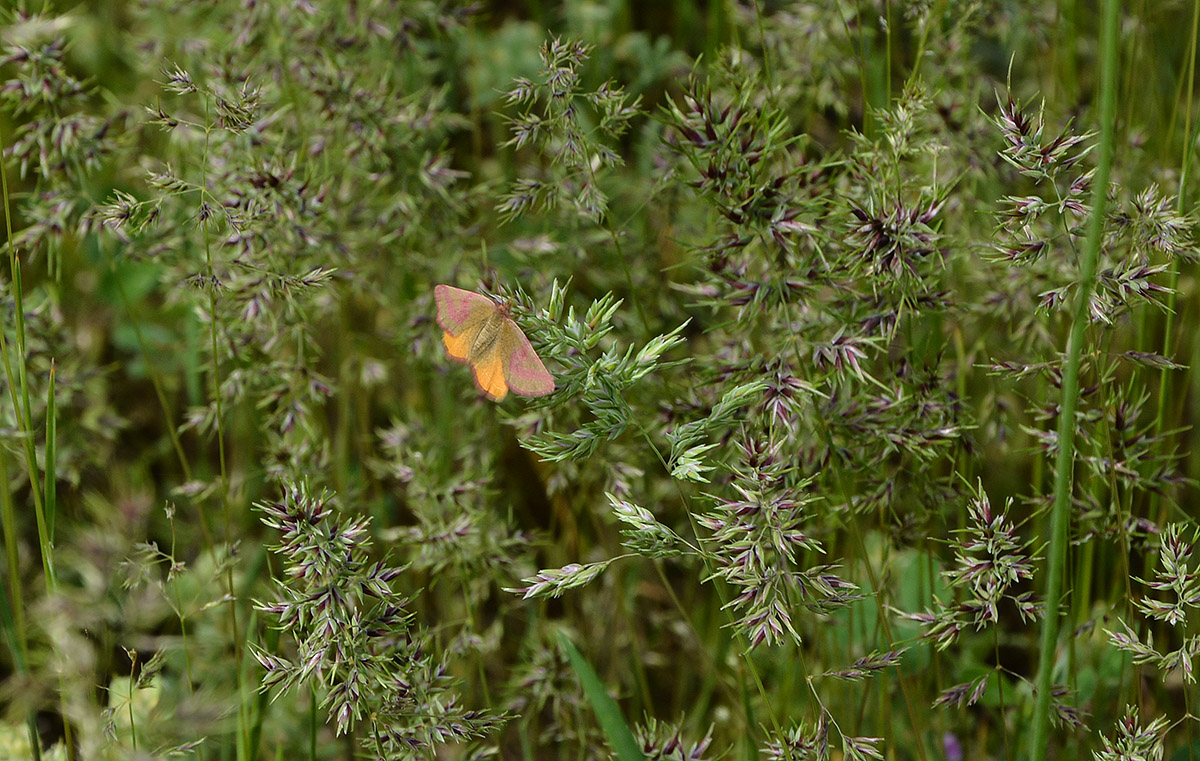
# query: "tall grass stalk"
{"type": "Point", "coordinates": [50, 477]}
{"type": "Point", "coordinates": [20, 400]}
{"type": "Point", "coordinates": [1060, 518]}
{"type": "Point", "coordinates": [1191, 130]}
{"type": "Point", "coordinates": [22, 407]}
{"type": "Point", "coordinates": [13, 601]}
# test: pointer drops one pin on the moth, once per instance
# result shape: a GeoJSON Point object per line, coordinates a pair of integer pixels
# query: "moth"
{"type": "Point", "coordinates": [479, 332]}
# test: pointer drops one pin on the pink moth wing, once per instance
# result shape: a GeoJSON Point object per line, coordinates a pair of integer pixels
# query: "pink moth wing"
{"type": "Point", "coordinates": [524, 371]}
{"type": "Point", "coordinates": [454, 307]}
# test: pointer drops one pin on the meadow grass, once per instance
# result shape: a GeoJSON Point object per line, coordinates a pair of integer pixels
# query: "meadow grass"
{"type": "Point", "coordinates": [871, 327]}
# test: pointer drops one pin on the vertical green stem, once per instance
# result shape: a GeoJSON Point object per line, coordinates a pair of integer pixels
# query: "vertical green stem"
{"type": "Point", "coordinates": [13, 612]}
{"type": "Point", "coordinates": [18, 386]}
{"type": "Point", "coordinates": [1185, 170]}
{"type": "Point", "coordinates": [22, 408]}
{"type": "Point", "coordinates": [50, 476]}
{"type": "Point", "coordinates": [1060, 516]}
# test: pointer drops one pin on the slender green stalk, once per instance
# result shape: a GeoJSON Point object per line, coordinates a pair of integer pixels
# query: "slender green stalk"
{"type": "Point", "coordinates": [12, 614]}
{"type": "Point", "coordinates": [130, 687]}
{"type": "Point", "coordinates": [243, 724]}
{"type": "Point", "coordinates": [261, 704]}
{"type": "Point", "coordinates": [49, 477]}
{"type": "Point", "coordinates": [1061, 510]}
{"type": "Point", "coordinates": [22, 408]}
{"type": "Point", "coordinates": [1185, 170]}
{"type": "Point", "coordinates": [21, 404]}
{"type": "Point", "coordinates": [8, 520]}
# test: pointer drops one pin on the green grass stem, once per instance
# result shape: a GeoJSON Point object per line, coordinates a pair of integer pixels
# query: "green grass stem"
{"type": "Point", "coordinates": [1056, 559]}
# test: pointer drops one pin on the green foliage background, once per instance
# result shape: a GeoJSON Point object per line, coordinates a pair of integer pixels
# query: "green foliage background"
{"type": "Point", "coordinates": [805, 275]}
